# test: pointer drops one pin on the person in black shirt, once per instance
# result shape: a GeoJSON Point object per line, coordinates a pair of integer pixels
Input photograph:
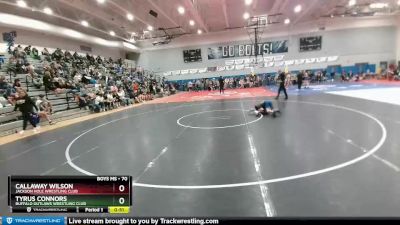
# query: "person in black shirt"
{"type": "Point", "coordinates": [17, 84]}
{"type": "Point", "coordinates": [300, 79]}
{"type": "Point", "coordinates": [281, 79]}
{"type": "Point", "coordinates": [25, 105]}
{"type": "Point", "coordinates": [221, 84]}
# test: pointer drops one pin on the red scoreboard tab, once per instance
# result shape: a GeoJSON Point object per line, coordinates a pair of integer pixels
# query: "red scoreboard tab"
{"type": "Point", "coordinates": [68, 193]}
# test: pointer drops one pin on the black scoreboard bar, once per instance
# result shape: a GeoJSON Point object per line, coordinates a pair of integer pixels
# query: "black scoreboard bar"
{"type": "Point", "coordinates": [69, 194]}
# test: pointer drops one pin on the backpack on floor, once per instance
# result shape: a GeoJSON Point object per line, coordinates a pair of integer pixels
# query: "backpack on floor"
{"type": "Point", "coordinates": [35, 118]}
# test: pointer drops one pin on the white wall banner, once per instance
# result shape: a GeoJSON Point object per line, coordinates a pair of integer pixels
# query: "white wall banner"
{"type": "Point", "coordinates": [192, 71]}
{"type": "Point", "coordinates": [176, 72]}
{"type": "Point", "coordinates": [299, 61]}
{"type": "Point", "coordinates": [220, 68]}
{"type": "Point", "coordinates": [289, 62]}
{"type": "Point", "coordinates": [268, 59]}
{"type": "Point", "coordinates": [310, 60]}
{"type": "Point", "coordinates": [229, 67]}
{"type": "Point", "coordinates": [229, 62]}
{"type": "Point", "coordinates": [333, 58]}
{"type": "Point", "coordinates": [321, 59]}
{"type": "Point", "coordinates": [239, 61]}
{"type": "Point", "coordinates": [203, 70]}
{"type": "Point", "coordinates": [269, 64]}
{"type": "Point", "coordinates": [239, 67]}
{"type": "Point", "coordinates": [278, 58]}
{"type": "Point", "coordinates": [168, 73]}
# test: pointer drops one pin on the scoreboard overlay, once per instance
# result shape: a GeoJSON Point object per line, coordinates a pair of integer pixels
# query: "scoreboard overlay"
{"type": "Point", "coordinates": [69, 194]}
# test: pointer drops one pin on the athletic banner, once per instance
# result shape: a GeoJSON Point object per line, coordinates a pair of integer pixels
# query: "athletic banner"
{"type": "Point", "coordinates": [231, 51]}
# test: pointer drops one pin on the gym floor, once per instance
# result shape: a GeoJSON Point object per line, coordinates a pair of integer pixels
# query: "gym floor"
{"type": "Point", "coordinates": [326, 155]}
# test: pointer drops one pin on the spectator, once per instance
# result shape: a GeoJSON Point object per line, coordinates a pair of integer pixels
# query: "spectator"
{"type": "Point", "coordinates": [1, 60]}
{"type": "Point", "coordinates": [122, 98]}
{"type": "Point", "coordinates": [300, 76]}
{"type": "Point", "coordinates": [45, 108]}
{"type": "Point", "coordinates": [25, 105]}
{"type": "Point", "coordinates": [81, 101]}
{"type": "Point", "coordinates": [47, 82]}
{"type": "Point", "coordinates": [306, 80]}
{"type": "Point", "coordinates": [31, 70]}
{"type": "Point", "coordinates": [5, 89]}
{"type": "Point", "coordinates": [108, 101]}
{"type": "Point", "coordinates": [99, 103]}
{"type": "Point", "coordinates": [35, 53]}
{"type": "Point", "coordinates": [190, 86]}
{"type": "Point", "coordinates": [16, 84]}
{"type": "Point", "coordinates": [27, 50]}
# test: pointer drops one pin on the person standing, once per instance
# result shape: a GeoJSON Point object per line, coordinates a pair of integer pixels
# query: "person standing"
{"type": "Point", "coordinates": [281, 79]}
{"type": "Point", "coordinates": [299, 79]}
{"type": "Point", "coordinates": [25, 105]}
{"type": "Point", "coordinates": [221, 84]}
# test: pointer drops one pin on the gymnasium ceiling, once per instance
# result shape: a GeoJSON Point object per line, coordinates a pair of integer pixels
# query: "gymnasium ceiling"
{"type": "Point", "coordinates": [208, 15]}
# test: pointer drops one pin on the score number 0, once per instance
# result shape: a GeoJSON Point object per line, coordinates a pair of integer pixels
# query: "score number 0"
{"type": "Point", "coordinates": [121, 200]}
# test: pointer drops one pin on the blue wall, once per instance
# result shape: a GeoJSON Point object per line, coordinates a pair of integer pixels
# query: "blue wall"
{"type": "Point", "coordinates": [338, 70]}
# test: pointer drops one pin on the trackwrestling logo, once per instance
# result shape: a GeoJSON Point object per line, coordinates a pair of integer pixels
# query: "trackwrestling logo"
{"type": "Point", "coordinates": [33, 220]}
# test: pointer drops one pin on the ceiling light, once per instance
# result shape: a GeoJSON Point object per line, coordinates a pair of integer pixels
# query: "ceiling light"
{"type": "Point", "coordinates": [332, 16]}
{"type": "Point", "coordinates": [181, 10]}
{"type": "Point", "coordinates": [112, 33]}
{"type": "Point", "coordinates": [297, 9]}
{"type": "Point", "coordinates": [287, 21]}
{"type": "Point", "coordinates": [101, 1]}
{"type": "Point", "coordinates": [199, 31]}
{"type": "Point", "coordinates": [48, 11]}
{"type": "Point", "coordinates": [129, 16]}
{"type": "Point", "coordinates": [21, 3]}
{"type": "Point", "coordinates": [398, 2]}
{"type": "Point", "coordinates": [84, 23]}
{"type": "Point", "coordinates": [150, 28]}
{"type": "Point", "coordinates": [248, 2]}
{"type": "Point", "coordinates": [378, 5]}
{"type": "Point", "coordinates": [73, 33]}
{"type": "Point", "coordinates": [191, 22]}
{"type": "Point", "coordinates": [246, 15]}
{"type": "Point", "coordinates": [352, 2]}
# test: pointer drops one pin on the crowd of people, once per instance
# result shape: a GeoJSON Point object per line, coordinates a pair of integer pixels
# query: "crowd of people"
{"type": "Point", "coordinates": [210, 84]}
{"type": "Point", "coordinates": [94, 83]}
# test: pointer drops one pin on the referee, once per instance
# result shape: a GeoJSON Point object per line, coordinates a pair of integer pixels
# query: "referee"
{"type": "Point", "coordinates": [221, 84]}
{"type": "Point", "coordinates": [281, 79]}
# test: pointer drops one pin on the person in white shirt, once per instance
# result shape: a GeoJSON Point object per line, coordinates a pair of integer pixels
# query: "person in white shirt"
{"type": "Point", "coordinates": [99, 102]}
{"type": "Point", "coordinates": [190, 86]}
{"type": "Point", "coordinates": [122, 98]}
{"type": "Point", "coordinates": [44, 108]}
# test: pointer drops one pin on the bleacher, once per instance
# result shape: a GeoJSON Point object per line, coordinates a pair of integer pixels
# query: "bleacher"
{"type": "Point", "coordinates": [63, 105]}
